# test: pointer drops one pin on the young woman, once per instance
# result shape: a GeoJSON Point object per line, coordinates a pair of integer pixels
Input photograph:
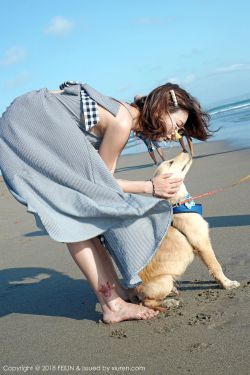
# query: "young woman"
{"type": "Point", "coordinates": [49, 162]}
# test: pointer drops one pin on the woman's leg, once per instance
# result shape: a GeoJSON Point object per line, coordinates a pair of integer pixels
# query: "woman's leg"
{"type": "Point", "coordinates": [109, 266]}
{"type": "Point", "coordinates": [182, 143]}
{"type": "Point", "coordinates": [190, 145]}
{"type": "Point", "coordinates": [152, 155]}
{"type": "Point", "coordinates": [91, 263]}
{"type": "Point", "coordinates": [148, 143]}
{"type": "Point", "coordinates": [158, 149]}
{"type": "Point", "coordinates": [160, 152]}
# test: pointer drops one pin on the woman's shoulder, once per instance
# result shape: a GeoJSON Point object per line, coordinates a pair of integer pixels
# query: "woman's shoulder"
{"type": "Point", "coordinates": [123, 120]}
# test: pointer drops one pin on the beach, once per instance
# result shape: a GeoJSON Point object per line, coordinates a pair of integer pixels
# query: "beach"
{"type": "Point", "coordinates": [51, 320]}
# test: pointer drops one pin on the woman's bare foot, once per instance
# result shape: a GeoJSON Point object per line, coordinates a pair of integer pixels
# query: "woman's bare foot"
{"type": "Point", "coordinates": [122, 292]}
{"type": "Point", "coordinates": [127, 294]}
{"type": "Point", "coordinates": [118, 310]}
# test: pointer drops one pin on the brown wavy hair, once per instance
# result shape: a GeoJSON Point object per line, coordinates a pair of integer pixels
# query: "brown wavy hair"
{"type": "Point", "coordinates": [159, 102]}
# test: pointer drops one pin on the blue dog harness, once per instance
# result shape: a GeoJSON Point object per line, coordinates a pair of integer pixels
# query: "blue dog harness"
{"type": "Point", "coordinates": [187, 207]}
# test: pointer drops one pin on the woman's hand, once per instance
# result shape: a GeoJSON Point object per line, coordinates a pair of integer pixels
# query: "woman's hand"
{"type": "Point", "coordinates": [165, 186]}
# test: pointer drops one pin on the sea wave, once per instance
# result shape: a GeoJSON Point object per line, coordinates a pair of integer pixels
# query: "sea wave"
{"type": "Point", "coordinates": [229, 107]}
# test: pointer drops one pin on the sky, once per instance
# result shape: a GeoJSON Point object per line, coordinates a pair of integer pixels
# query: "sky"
{"type": "Point", "coordinates": [125, 48]}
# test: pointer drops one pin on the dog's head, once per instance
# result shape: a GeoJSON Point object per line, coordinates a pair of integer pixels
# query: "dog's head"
{"type": "Point", "coordinates": [179, 167]}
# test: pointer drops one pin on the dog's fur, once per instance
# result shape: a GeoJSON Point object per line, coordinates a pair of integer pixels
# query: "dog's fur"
{"type": "Point", "coordinates": [188, 235]}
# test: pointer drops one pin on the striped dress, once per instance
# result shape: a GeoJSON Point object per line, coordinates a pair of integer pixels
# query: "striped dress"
{"type": "Point", "coordinates": [49, 164]}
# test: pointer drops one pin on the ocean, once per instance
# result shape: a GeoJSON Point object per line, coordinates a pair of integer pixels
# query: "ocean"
{"type": "Point", "coordinates": [232, 120]}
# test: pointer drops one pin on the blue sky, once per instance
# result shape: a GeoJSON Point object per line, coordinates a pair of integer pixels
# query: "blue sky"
{"type": "Point", "coordinates": [124, 48]}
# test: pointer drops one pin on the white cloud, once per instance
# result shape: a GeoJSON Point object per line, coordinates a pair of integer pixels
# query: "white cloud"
{"type": "Point", "coordinates": [179, 81]}
{"type": "Point", "coordinates": [173, 80]}
{"type": "Point", "coordinates": [59, 26]}
{"type": "Point", "coordinates": [164, 80]}
{"type": "Point", "coordinates": [19, 80]}
{"type": "Point", "coordinates": [189, 78]}
{"type": "Point", "coordinates": [13, 55]}
{"type": "Point", "coordinates": [231, 68]}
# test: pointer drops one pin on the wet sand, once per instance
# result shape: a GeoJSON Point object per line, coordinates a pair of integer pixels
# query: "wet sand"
{"type": "Point", "coordinates": [50, 317]}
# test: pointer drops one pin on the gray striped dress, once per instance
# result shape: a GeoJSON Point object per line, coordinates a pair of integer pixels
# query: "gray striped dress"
{"type": "Point", "coordinates": [49, 164]}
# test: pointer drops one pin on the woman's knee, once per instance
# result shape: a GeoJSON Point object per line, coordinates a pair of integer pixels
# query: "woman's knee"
{"type": "Point", "coordinates": [80, 245]}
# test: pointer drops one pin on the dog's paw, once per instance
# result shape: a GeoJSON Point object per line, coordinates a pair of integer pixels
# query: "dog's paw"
{"type": "Point", "coordinates": [170, 302]}
{"type": "Point", "coordinates": [174, 292]}
{"type": "Point", "coordinates": [230, 284]}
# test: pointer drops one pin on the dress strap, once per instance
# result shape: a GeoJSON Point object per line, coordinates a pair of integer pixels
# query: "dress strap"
{"type": "Point", "coordinates": [125, 106]}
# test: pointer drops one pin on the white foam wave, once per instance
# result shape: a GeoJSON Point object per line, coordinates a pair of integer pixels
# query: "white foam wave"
{"type": "Point", "coordinates": [230, 108]}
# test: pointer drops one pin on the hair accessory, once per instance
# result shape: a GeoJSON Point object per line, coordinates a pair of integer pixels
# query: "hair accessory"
{"type": "Point", "coordinates": [173, 97]}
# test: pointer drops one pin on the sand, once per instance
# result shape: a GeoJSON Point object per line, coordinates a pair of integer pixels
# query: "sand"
{"type": "Point", "coordinates": [50, 317]}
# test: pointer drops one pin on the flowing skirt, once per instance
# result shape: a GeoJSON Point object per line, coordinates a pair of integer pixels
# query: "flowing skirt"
{"type": "Point", "coordinates": [50, 166]}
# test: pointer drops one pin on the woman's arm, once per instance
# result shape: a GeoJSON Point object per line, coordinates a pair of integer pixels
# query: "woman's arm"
{"type": "Point", "coordinates": [114, 140]}
{"type": "Point", "coordinates": [164, 186]}
{"type": "Point", "coordinates": [137, 187]}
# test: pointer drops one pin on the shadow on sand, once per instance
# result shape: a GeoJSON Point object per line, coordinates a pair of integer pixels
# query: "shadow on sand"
{"type": "Point", "coordinates": [219, 153]}
{"type": "Point", "coordinates": [197, 285]}
{"type": "Point", "coordinates": [228, 221]}
{"type": "Point", "coordinates": [43, 291]}
{"type": "Point", "coordinates": [36, 233]}
{"type": "Point", "coordinates": [132, 167]}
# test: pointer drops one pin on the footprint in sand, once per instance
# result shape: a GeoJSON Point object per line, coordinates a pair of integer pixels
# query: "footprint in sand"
{"type": "Point", "coordinates": [199, 346]}
{"type": "Point", "coordinates": [207, 296]}
{"type": "Point", "coordinates": [201, 318]}
{"type": "Point", "coordinates": [118, 333]}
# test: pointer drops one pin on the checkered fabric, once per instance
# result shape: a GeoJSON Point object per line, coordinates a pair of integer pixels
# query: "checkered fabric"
{"type": "Point", "coordinates": [89, 111]}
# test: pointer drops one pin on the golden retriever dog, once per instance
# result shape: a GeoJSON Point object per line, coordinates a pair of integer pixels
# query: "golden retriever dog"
{"type": "Point", "coordinates": [187, 236]}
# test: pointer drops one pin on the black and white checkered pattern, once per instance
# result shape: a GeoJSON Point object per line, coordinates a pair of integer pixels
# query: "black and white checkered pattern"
{"type": "Point", "coordinates": [89, 110]}
{"type": "Point", "coordinates": [68, 84]}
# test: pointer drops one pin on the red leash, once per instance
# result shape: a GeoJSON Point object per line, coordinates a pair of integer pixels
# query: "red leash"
{"type": "Point", "coordinates": [212, 192]}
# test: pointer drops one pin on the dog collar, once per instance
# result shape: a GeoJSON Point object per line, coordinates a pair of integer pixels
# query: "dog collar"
{"type": "Point", "coordinates": [187, 207]}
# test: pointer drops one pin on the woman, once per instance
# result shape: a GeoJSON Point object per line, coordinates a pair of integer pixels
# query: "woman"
{"type": "Point", "coordinates": [49, 164]}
